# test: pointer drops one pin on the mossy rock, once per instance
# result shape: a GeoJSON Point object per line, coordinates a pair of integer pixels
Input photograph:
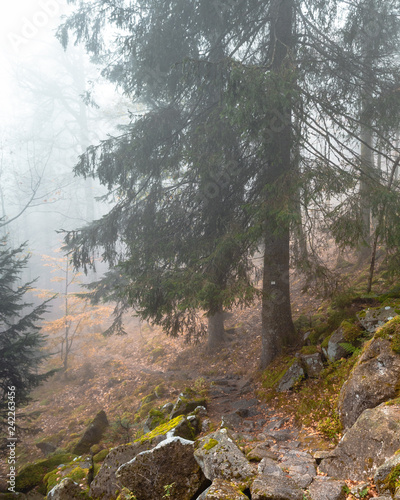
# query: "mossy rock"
{"type": "Point", "coordinates": [126, 494]}
{"type": "Point", "coordinates": [391, 331]}
{"type": "Point", "coordinates": [77, 470]}
{"type": "Point", "coordinates": [99, 457]}
{"type": "Point", "coordinates": [178, 423]}
{"type": "Point", "coordinates": [186, 403]}
{"type": "Point", "coordinates": [32, 475]}
{"type": "Point", "coordinates": [276, 370]}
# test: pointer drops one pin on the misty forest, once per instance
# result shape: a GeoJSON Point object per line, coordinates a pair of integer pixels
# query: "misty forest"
{"type": "Point", "coordinates": [200, 250]}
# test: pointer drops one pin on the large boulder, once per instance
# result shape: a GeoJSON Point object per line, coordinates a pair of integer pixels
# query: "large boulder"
{"type": "Point", "coordinates": [66, 490]}
{"type": "Point", "coordinates": [104, 485]}
{"type": "Point", "coordinates": [170, 464]}
{"type": "Point", "coordinates": [221, 489]}
{"type": "Point", "coordinates": [374, 379]}
{"type": "Point", "coordinates": [93, 434]}
{"type": "Point", "coordinates": [275, 488]}
{"type": "Point", "coordinates": [368, 444]}
{"type": "Point", "coordinates": [219, 456]}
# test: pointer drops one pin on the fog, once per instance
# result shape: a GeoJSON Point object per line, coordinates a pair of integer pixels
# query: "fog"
{"type": "Point", "coordinates": [45, 126]}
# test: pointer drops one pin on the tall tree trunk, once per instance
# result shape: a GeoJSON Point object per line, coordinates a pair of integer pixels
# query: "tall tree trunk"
{"type": "Point", "coordinates": [216, 331]}
{"type": "Point", "coordinates": [277, 325]}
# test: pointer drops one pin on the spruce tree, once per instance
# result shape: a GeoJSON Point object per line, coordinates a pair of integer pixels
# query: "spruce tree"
{"type": "Point", "coordinates": [255, 99]}
{"type": "Point", "coordinates": [21, 342]}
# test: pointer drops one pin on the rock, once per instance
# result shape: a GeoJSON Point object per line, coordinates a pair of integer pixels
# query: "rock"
{"type": "Point", "coordinates": [219, 456]}
{"type": "Point", "coordinates": [104, 484]}
{"type": "Point", "coordinates": [167, 408]}
{"type": "Point", "coordinates": [381, 476]}
{"type": "Point", "coordinates": [372, 319]}
{"type": "Point", "coordinates": [276, 488]}
{"type": "Point", "coordinates": [300, 466]}
{"type": "Point", "coordinates": [269, 467]}
{"type": "Point", "coordinates": [313, 364]}
{"type": "Point", "coordinates": [66, 490]}
{"type": "Point", "coordinates": [222, 490]}
{"type": "Point", "coordinates": [374, 379]}
{"type": "Point", "coordinates": [292, 375]}
{"type": "Point", "coordinates": [231, 420]}
{"type": "Point", "coordinates": [46, 448]}
{"type": "Point", "coordinates": [170, 463]}
{"type": "Point", "coordinates": [93, 434]}
{"type": "Point", "coordinates": [327, 489]}
{"type": "Point", "coordinates": [206, 425]}
{"type": "Point", "coordinates": [368, 444]}
{"type": "Point", "coordinates": [261, 451]}
{"type": "Point", "coordinates": [334, 351]}
{"type": "Point", "coordinates": [185, 405]}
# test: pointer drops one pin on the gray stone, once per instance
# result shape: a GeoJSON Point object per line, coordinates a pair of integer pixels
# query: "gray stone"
{"type": "Point", "coordinates": [105, 484]}
{"type": "Point", "coordinates": [206, 425]}
{"type": "Point", "coordinates": [231, 420]}
{"type": "Point", "coordinates": [372, 319]}
{"type": "Point", "coordinates": [219, 456]}
{"type": "Point", "coordinates": [383, 472]}
{"type": "Point", "coordinates": [373, 439]}
{"type": "Point", "coordinates": [93, 434]}
{"type": "Point", "coordinates": [374, 379]}
{"type": "Point", "coordinates": [260, 451]}
{"type": "Point", "coordinates": [170, 463]}
{"type": "Point", "coordinates": [292, 375]}
{"type": "Point", "coordinates": [321, 489]}
{"type": "Point", "coordinates": [269, 467]}
{"type": "Point", "coordinates": [185, 405]}
{"type": "Point", "coordinates": [300, 466]}
{"type": "Point", "coordinates": [222, 490]}
{"type": "Point", "coordinates": [275, 488]}
{"type": "Point", "coordinates": [313, 364]}
{"type": "Point", "coordinates": [66, 490]}
{"type": "Point", "coordinates": [334, 351]}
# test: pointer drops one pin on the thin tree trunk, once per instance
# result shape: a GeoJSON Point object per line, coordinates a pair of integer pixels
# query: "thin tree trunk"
{"type": "Point", "coordinates": [277, 324]}
{"type": "Point", "coordinates": [367, 166]}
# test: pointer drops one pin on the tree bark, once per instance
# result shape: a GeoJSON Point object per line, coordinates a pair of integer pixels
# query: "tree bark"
{"type": "Point", "coordinates": [216, 330]}
{"type": "Point", "coordinates": [277, 324]}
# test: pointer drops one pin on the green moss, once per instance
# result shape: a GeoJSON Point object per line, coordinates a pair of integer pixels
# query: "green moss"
{"type": "Point", "coordinates": [161, 429]}
{"type": "Point", "coordinates": [32, 475]}
{"type": "Point", "coordinates": [391, 331]}
{"type": "Point", "coordinates": [309, 349]}
{"type": "Point", "coordinates": [99, 457]}
{"type": "Point", "coordinates": [392, 482]}
{"type": "Point", "coordinates": [126, 494]}
{"type": "Point", "coordinates": [210, 444]}
{"type": "Point", "coordinates": [351, 331]}
{"type": "Point", "coordinates": [71, 470]}
{"type": "Point", "coordinates": [276, 370]}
